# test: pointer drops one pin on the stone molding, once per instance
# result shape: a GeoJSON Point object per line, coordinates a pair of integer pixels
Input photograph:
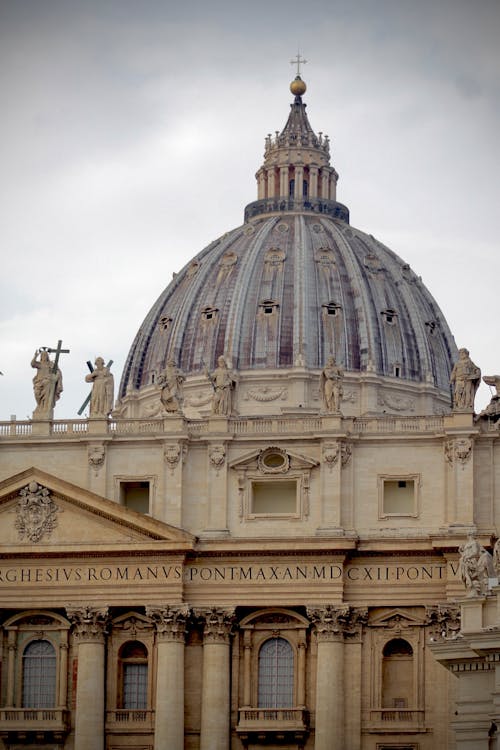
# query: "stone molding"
{"type": "Point", "coordinates": [332, 622]}
{"type": "Point", "coordinates": [218, 623]}
{"type": "Point", "coordinates": [89, 623]}
{"type": "Point", "coordinates": [170, 621]}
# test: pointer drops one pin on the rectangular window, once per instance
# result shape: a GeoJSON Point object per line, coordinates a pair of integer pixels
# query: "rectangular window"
{"type": "Point", "coordinates": [274, 498]}
{"type": "Point", "coordinates": [135, 495]}
{"type": "Point", "coordinates": [398, 496]}
{"type": "Point", "coordinates": [135, 685]}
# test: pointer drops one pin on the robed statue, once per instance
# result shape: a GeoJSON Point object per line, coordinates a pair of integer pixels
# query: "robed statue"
{"type": "Point", "coordinates": [465, 379]}
{"type": "Point", "coordinates": [330, 385]}
{"type": "Point", "coordinates": [47, 384]}
{"type": "Point", "coordinates": [223, 383]}
{"type": "Point", "coordinates": [103, 384]}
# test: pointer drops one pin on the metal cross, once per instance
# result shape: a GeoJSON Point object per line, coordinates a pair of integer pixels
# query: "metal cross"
{"type": "Point", "coordinates": [82, 407]}
{"type": "Point", "coordinates": [298, 61]}
{"type": "Point", "coordinates": [57, 351]}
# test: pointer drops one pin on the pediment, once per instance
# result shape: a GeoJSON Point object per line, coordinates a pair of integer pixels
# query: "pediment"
{"type": "Point", "coordinates": [39, 511]}
{"type": "Point", "coordinates": [396, 618]}
{"type": "Point", "coordinates": [256, 460]}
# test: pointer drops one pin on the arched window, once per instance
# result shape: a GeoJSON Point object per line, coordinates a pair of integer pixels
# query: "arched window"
{"type": "Point", "coordinates": [305, 188]}
{"type": "Point", "coordinates": [134, 675]}
{"type": "Point", "coordinates": [291, 188]}
{"type": "Point", "coordinates": [39, 675]}
{"type": "Point", "coordinates": [276, 674]}
{"type": "Point", "coordinates": [397, 674]}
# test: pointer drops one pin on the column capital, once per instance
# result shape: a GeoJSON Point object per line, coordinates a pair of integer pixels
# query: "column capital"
{"type": "Point", "coordinates": [334, 622]}
{"type": "Point", "coordinates": [218, 623]}
{"type": "Point", "coordinates": [89, 622]}
{"type": "Point", "coordinates": [170, 621]}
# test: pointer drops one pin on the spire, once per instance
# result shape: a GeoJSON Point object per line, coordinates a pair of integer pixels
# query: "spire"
{"type": "Point", "coordinates": [297, 174]}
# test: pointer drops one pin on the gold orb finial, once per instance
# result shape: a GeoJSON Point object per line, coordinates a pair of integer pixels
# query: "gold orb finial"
{"type": "Point", "coordinates": [297, 86]}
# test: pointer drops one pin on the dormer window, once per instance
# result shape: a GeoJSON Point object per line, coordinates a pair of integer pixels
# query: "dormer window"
{"type": "Point", "coordinates": [390, 316]}
{"type": "Point", "coordinates": [209, 313]}
{"type": "Point", "coordinates": [268, 306]}
{"type": "Point", "coordinates": [431, 326]}
{"type": "Point", "coordinates": [332, 308]}
{"type": "Point", "coordinates": [164, 322]}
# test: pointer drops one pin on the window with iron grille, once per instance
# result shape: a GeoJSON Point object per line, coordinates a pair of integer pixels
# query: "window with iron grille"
{"type": "Point", "coordinates": [276, 674]}
{"type": "Point", "coordinates": [134, 657]}
{"type": "Point", "coordinates": [39, 675]}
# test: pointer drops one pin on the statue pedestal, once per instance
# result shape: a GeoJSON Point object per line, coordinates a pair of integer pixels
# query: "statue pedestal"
{"type": "Point", "coordinates": [97, 426]}
{"type": "Point", "coordinates": [41, 427]}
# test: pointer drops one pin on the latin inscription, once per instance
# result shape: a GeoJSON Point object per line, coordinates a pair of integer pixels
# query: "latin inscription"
{"type": "Point", "coordinates": [200, 574]}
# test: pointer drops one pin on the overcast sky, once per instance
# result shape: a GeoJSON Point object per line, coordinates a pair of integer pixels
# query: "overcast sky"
{"type": "Point", "coordinates": [131, 133]}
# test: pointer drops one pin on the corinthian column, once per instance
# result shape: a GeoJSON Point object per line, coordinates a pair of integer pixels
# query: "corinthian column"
{"type": "Point", "coordinates": [89, 632]}
{"type": "Point", "coordinates": [331, 624]}
{"type": "Point", "coordinates": [215, 696]}
{"type": "Point", "coordinates": [169, 707]}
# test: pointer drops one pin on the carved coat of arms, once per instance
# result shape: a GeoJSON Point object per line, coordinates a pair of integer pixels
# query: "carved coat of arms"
{"type": "Point", "coordinates": [36, 512]}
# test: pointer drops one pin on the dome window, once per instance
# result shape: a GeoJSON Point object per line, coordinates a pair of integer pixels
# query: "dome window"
{"type": "Point", "coordinates": [431, 326]}
{"type": "Point", "coordinates": [209, 313]}
{"type": "Point", "coordinates": [164, 322]}
{"type": "Point", "coordinates": [390, 316]}
{"type": "Point", "coordinates": [268, 306]}
{"type": "Point", "coordinates": [332, 308]}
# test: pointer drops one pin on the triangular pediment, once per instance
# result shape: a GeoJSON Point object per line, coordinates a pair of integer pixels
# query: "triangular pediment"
{"type": "Point", "coordinates": [39, 511]}
{"type": "Point", "coordinates": [396, 618]}
{"type": "Point", "coordinates": [256, 459]}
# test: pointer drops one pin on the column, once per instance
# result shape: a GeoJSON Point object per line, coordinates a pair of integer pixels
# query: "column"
{"type": "Point", "coordinates": [299, 179]}
{"type": "Point", "coordinates": [271, 186]}
{"type": "Point", "coordinates": [247, 663]}
{"type": "Point", "coordinates": [284, 181]}
{"type": "Point", "coordinates": [325, 180]}
{"type": "Point", "coordinates": [215, 695]}
{"type": "Point", "coordinates": [89, 634]}
{"type": "Point", "coordinates": [313, 182]}
{"type": "Point", "coordinates": [170, 625]}
{"type": "Point", "coordinates": [330, 622]}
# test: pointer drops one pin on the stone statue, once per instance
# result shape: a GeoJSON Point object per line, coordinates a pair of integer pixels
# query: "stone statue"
{"type": "Point", "coordinates": [170, 381]}
{"type": "Point", "coordinates": [492, 411]}
{"type": "Point", "coordinates": [465, 379]}
{"type": "Point", "coordinates": [475, 567]}
{"type": "Point", "coordinates": [223, 383]}
{"type": "Point", "coordinates": [103, 384]}
{"type": "Point", "coordinates": [330, 385]}
{"type": "Point", "coordinates": [496, 558]}
{"type": "Point", "coordinates": [47, 384]}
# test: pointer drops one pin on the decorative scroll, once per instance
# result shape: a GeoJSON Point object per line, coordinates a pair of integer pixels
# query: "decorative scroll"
{"type": "Point", "coordinates": [334, 622]}
{"type": "Point", "coordinates": [89, 623]}
{"type": "Point", "coordinates": [170, 621]}
{"type": "Point", "coordinates": [36, 513]}
{"type": "Point", "coordinates": [218, 624]}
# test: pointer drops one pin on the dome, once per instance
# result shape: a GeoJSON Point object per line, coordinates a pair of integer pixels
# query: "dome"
{"type": "Point", "coordinates": [293, 285]}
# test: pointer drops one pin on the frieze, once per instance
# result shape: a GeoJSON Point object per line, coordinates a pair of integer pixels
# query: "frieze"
{"type": "Point", "coordinates": [266, 394]}
{"type": "Point", "coordinates": [298, 572]}
{"type": "Point", "coordinates": [36, 513]}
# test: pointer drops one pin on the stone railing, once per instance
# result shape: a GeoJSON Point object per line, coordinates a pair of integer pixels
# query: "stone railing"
{"type": "Point", "coordinates": [300, 425]}
{"type": "Point", "coordinates": [279, 719]}
{"type": "Point", "coordinates": [388, 716]}
{"type": "Point", "coordinates": [128, 718]}
{"type": "Point", "coordinates": [29, 719]}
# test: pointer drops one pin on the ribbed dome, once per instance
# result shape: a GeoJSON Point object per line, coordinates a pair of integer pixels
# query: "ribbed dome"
{"type": "Point", "coordinates": [292, 289]}
{"type": "Point", "coordinates": [295, 284]}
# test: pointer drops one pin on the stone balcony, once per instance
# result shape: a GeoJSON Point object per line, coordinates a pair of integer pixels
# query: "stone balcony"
{"type": "Point", "coordinates": [34, 724]}
{"type": "Point", "coordinates": [397, 720]}
{"type": "Point", "coordinates": [130, 720]}
{"type": "Point", "coordinates": [266, 724]}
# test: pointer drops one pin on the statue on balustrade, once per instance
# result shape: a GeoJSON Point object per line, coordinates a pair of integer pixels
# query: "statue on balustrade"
{"type": "Point", "coordinates": [492, 411]}
{"type": "Point", "coordinates": [475, 567]}
{"type": "Point", "coordinates": [47, 383]}
{"type": "Point", "coordinates": [330, 385]}
{"type": "Point", "coordinates": [170, 382]}
{"type": "Point", "coordinates": [103, 385]}
{"type": "Point", "coordinates": [465, 379]}
{"type": "Point", "coordinates": [223, 382]}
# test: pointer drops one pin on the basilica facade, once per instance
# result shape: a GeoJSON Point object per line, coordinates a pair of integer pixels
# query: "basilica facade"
{"type": "Point", "coordinates": [257, 544]}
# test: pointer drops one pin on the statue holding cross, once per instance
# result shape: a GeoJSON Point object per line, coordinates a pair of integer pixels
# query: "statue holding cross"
{"type": "Point", "coordinates": [47, 383]}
